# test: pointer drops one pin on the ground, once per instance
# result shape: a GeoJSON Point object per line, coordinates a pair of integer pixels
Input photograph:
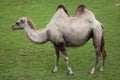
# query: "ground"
{"type": "Point", "coordinates": [22, 60]}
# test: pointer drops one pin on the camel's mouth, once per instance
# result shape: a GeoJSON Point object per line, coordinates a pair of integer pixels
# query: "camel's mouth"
{"type": "Point", "coordinates": [13, 28]}
{"type": "Point", "coordinates": [16, 28]}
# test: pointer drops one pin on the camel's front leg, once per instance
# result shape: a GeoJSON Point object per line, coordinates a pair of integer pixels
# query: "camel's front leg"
{"type": "Point", "coordinates": [67, 62]}
{"type": "Point", "coordinates": [62, 48]}
{"type": "Point", "coordinates": [57, 59]}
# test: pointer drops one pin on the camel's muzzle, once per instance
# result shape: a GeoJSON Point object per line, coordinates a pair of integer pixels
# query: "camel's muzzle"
{"type": "Point", "coordinates": [13, 28]}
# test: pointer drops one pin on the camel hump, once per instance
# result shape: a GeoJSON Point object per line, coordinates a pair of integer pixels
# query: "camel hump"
{"type": "Point", "coordinates": [63, 7]}
{"type": "Point", "coordinates": [81, 8]}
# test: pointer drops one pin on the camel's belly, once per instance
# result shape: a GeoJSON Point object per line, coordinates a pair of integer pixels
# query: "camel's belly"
{"type": "Point", "coordinates": [75, 43]}
{"type": "Point", "coordinates": [77, 39]}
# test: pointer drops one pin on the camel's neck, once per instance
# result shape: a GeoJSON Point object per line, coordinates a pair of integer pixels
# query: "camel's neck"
{"type": "Point", "coordinates": [36, 36]}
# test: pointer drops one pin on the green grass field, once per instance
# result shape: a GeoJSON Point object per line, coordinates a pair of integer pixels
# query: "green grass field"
{"type": "Point", "coordinates": [22, 60]}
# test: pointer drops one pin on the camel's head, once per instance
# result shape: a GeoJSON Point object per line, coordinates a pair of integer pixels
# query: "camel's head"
{"type": "Point", "coordinates": [20, 24]}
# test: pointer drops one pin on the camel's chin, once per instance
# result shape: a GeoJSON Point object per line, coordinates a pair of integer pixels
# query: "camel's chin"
{"type": "Point", "coordinates": [14, 29]}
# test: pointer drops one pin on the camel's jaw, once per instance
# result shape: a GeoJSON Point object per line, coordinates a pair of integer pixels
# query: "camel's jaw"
{"type": "Point", "coordinates": [14, 27]}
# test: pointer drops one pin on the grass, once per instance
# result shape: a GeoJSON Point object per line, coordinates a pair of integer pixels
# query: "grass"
{"type": "Point", "coordinates": [22, 60]}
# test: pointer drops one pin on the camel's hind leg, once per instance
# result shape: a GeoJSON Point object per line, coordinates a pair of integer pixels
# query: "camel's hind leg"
{"type": "Point", "coordinates": [97, 48]}
{"type": "Point", "coordinates": [98, 42]}
{"type": "Point", "coordinates": [97, 39]}
{"type": "Point", "coordinates": [104, 54]}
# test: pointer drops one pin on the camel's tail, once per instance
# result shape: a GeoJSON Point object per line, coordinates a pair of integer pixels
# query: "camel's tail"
{"type": "Point", "coordinates": [103, 51]}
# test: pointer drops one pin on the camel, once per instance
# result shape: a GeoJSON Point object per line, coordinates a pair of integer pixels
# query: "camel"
{"type": "Point", "coordinates": [83, 11]}
{"type": "Point", "coordinates": [64, 31]}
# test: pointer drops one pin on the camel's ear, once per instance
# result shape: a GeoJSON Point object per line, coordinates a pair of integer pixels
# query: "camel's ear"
{"type": "Point", "coordinates": [22, 20]}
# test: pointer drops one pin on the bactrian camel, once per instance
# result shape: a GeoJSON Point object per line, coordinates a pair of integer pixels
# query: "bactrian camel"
{"type": "Point", "coordinates": [64, 31]}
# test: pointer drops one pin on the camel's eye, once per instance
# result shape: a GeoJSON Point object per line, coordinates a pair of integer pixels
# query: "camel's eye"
{"type": "Point", "coordinates": [17, 23]}
{"type": "Point", "coordinates": [22, 20]}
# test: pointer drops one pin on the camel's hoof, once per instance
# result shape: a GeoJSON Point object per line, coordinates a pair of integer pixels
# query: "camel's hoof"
{"type": "Point", "coordinates": [91, 73]}
{"type": "Point", "coordinates": [101, 69]}
{"type": "Point", "coordinates": [69, 73]}
{"type": "Point", "coordinates": [54, 71]}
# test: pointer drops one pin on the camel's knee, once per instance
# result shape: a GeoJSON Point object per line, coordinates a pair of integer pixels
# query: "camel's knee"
{"type": "Point", "coordinates": [98, 52]}
{"type": "Point", "coordinates": [66, 58]}
{"type": "Point", "coordinates": [105, 54]}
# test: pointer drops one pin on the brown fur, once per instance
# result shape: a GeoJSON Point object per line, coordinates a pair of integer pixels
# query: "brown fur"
{"type": "Point", "coordinates": [63, 7]}
{"type": "Point", "coordinates": [30, 24]}
{"type": "Point", "coordinates": [81, 8]}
